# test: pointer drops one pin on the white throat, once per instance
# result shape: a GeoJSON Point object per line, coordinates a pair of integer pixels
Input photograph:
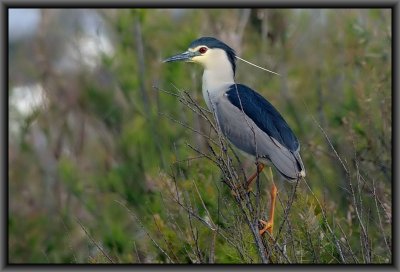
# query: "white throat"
{"type": "Point", "coordinates": [217, 76]}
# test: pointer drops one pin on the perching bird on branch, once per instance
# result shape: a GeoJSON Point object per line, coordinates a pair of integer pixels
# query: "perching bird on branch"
{"type": "Point", "coordinates": [246, 118]}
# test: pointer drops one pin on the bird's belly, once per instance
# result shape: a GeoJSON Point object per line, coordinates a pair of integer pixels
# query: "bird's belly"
{"type": "Point", "coordinates": [238, 128]}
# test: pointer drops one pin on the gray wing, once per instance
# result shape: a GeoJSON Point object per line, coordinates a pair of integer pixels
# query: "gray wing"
{"type": "Point", "coordinates": [243, 132]}
{"type": "Point", "coordinates": [263, 113]}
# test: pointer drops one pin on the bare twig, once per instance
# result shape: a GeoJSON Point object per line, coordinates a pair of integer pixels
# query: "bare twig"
{"type": "Point", "coordinates": [163, 237]}
{"type": "Point", "coordinates": [364, 234]}
{"type": "Point", "coordinates": [355, 259]}
{"type": "Point", "coordinates": [331, 146]}
{"type": "Point", "coordinates": [93, 241]}
{"type": "Point", "coordinates": [379, 215]}
{"type": "Point", "coordinates": [195, 236]}
{"type": "Point", "coordinates": [137, 253]}
{"type": "Point", "coordinates": [187, 126]}
{"type": "Point", "coordinates": [288, 207]}
{"type": "Point", "coordinates": [147, 233]}
{"type": "Point", "coordinates": [335, 239]}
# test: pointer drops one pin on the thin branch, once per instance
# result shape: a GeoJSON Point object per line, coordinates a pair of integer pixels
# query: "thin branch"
{"type": "Point", "coordinates": [163, 237]}
{"type": "Point", "coordinates": [195, 236]}
{"type": "Point", "coordinates": [288, 207]}
{"type": "Point", "coordinates": [137, 253]}
{"type": "Point", "coordinates": [355, 259]}
{"type": "Point", "coordinates": [143, 228]}
{"type": "Point", "coordinates": [331, 145]}
{"type": "Point", "coordinates": [336, 241]}
{"type": "Point", "coordinates": [379, 216]}
{"type": "Point", "coordinates": [187, 126]}
{"type": "Point", "coordinates": [93, 241]}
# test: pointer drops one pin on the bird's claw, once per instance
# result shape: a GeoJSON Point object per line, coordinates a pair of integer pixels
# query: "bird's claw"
{"type": "Point", "coordinates": [265, 226]}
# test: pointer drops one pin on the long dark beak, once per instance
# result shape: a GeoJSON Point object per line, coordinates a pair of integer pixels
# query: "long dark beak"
{"type": "Point", "coordinates": [185, 56]}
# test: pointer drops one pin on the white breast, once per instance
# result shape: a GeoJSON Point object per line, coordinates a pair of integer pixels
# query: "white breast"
{"type": "Point", "coordinates": [215, 84]}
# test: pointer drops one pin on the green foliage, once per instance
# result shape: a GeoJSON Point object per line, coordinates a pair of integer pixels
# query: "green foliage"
{"type": "Point", "coordinates": [117, 177]}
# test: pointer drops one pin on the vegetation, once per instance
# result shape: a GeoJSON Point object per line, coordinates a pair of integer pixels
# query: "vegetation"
{"type": "Point", "coordinates": [123, 164]}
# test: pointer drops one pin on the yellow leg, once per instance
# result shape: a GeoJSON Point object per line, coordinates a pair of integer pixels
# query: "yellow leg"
{"type": "Point", "coordinates": [269, 225]}
{"type": "Point", "coordinates": [260, 167]}
{"type": "Point", "coordinates": [250, 180]}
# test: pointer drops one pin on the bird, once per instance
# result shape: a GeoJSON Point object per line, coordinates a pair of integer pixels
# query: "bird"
{"type": "Point", "coordinates": [248, 120]}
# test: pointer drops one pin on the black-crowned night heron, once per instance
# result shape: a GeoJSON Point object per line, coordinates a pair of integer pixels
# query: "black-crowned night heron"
{"type": "Point", "coordinates": [246, 118]}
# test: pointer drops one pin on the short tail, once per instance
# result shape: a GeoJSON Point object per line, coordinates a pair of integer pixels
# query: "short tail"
{"type": "Point", "coordinates": [300, 165]}
{"type": "Point", "coordinates": [291, 167]}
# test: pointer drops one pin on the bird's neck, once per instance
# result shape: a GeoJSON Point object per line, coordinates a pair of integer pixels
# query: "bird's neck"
{"type": "Point", "coordinates": [216, 81]}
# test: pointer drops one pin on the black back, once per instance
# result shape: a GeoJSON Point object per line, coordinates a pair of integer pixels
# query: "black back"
{"type": "Point", "coordinates": [263, 114]}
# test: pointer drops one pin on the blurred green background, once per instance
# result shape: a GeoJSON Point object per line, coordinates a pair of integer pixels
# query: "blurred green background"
{"type": "Point", "coordinates": [94, 155]}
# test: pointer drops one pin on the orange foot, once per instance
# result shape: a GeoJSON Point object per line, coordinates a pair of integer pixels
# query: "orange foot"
{"type": "Point", "coordinates": [267, 226]}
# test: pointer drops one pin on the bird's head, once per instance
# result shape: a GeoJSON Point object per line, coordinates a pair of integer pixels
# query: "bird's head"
{"type": "Point", "coordinates": [209, 52]}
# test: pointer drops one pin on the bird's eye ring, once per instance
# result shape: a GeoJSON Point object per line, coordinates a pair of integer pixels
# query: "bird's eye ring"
{"type": "Point", "coordinates": [202, 50]}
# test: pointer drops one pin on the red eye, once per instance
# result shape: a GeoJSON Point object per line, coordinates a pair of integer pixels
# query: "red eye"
{"type": "Point", "coordinates": [202, 50]}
